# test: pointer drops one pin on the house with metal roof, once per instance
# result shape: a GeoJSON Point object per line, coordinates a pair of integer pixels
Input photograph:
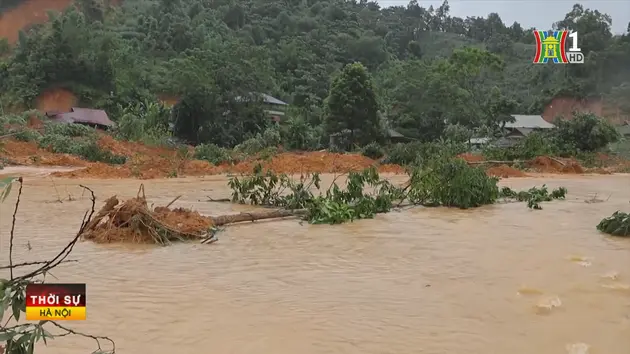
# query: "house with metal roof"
{"type": "Point", "coordinates": [273, 106]}
{"type": "Point", "coordinates": [523, 125]}
{"type": "Point", "coordinates": [96, 118]}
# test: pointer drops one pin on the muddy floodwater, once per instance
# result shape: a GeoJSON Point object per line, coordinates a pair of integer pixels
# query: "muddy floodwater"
{"type": "Point", "coordinates": [498, 279]}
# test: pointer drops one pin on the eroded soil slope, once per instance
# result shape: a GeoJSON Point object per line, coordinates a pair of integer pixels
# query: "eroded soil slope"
{"type": "Point", "coordinates": [28, 13]}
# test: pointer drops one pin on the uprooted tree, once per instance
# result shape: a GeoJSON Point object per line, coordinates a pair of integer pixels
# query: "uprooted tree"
{"type": "Point", "coordinates": [133, 221]}
{"type": "Point", "coordinates": [20, 338]}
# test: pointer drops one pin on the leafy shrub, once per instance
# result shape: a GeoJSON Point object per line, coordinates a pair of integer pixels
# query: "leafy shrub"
{"type": "Point", "coordinates": [70, 130]}
{"type": "Point", "coordinates": [364, 196]}
{"type": "Point", "coordinates": [587, 132]}
{"type": "Point", "coordinates": [57, 143]}
{"type": "Point", "coordinates": [92, 152]}
{"type": "Point", "coordinates": [250, 146]}
{"type": "Point", "coordinates": [214, 154]}
{"type": "Point", "coordinates": [491, 152]}
{"type": "Point", "coordinates": [373, 151]}
{"type": "Point", "coordinates": [297, 134]}
{"type": "Point", "coordinates": [269, 138]}
{"type": "Point", "coordinates": [618, 224]}
{"type": "Point", "coordinates": [268, 153]}
{"type": "Point", "coordinates": [452, 183]}
{"type": "Point", "coordinates": [419, 153]}
{"type": "Point", "coordinates": [27, 135]}
{"type": "Point", "coordinates": [129, 127]}
{"type": "Point", "coordinates": [534, 196]}
{"type": "Point", "coordinates": [86, 149]}
{"type": "Point", "coordinates": [402, 154]}
{"type": "Point", "coordinates": [12, 119]}
{"type": "Point", "coordinates": [529, 147]}
{"type": "Point", "coordinates": [156, 136]}
{"type": "Point", "coordinates": [146, 122]}
{"type": "Point", "coordinates": [457, 133]}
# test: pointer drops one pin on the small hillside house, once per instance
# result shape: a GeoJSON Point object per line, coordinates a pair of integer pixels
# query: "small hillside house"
{"type": "Point", "coordinates": [274, 107]}
{"type": "Point", "coordinates": [523, 125]}
{"type": "Point", "coordinates": [96, 118]}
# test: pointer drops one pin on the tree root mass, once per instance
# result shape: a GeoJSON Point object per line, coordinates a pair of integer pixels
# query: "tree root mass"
{"type": "Point", "coordinates": [133, 221]}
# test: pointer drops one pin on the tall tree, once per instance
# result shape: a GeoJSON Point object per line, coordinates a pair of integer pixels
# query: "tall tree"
{"type": "Point", "coordinates": [352, 105]}
{"type": "Point", "coordinates": [592, 26]}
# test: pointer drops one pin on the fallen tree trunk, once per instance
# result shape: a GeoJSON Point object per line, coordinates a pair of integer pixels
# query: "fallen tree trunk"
{"type": "Point", "coordinates": [253, 216]}
{"type": "Point", "coordinates": [220, 200]}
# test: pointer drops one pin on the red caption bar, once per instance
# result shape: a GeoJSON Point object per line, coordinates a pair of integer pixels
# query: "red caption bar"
{"type": "Point", "coordinates": [55, 302]}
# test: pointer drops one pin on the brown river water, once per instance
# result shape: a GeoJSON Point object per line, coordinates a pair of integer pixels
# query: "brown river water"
{"type": "Point", "coordinates": [498, 279]}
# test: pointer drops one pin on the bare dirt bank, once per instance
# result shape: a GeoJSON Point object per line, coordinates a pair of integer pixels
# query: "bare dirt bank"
{"type": "Point", "coordinates": [151, 162]}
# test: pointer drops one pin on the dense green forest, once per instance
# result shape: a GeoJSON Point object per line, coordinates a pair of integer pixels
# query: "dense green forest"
{"type": "Point", "coordinates": [423, 70]}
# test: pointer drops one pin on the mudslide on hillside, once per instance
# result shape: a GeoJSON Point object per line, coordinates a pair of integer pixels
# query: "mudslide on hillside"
{"type": "Point", "coordinates": [28, 13]}
{"type": "Point", "coordinates": [60, 100]}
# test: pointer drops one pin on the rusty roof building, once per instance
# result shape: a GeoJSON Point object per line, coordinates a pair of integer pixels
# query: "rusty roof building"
{"type": "Point", "coordinates": [85, 116]}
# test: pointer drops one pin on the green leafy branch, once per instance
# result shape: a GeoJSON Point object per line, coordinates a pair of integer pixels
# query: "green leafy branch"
{"type": "Point", "coordinates": [21, 338]}
{"type": "Point", "coordinates": [441, 182]}
{"type": "Point", "coordinates": [618, 224]}
{"type": "Point", "coordinates": [534, 196]}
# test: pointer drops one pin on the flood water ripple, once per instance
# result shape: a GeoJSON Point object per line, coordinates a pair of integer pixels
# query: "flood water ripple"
{"type": "Point", "coordinates": [420, 280]}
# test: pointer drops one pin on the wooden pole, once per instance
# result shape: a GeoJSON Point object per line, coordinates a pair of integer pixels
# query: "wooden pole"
{"type": "Point", "coordinates": [253, 216]}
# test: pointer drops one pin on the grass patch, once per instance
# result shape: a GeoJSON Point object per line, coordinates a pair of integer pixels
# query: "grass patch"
{"type": "Point", "coordinates": [69, 130]}
{"type": "Point", "coordinates": [212, 153]}
{"type": "Point", "coordinates": [86, 148]}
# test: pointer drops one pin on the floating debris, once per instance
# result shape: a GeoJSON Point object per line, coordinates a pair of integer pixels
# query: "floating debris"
{"type": "Point", "coordinates": [547, 304]}
{"type": "Point", "coordinates": [617, 286]}
{"type": "Point", "coordinates": [582, 260]}
{"type": "Point", "coordinates": [577, 348]}
{"type": "Point", "coordinates": [525, 290]}
{"type": "Point", "coordinates": [612, 275]}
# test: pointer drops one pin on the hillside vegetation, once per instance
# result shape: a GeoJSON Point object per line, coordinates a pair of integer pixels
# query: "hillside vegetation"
{"type": "Point", "coordinates": [425, 72]}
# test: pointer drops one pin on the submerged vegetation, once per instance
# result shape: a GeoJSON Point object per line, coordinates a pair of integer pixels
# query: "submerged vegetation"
{"type": "Point", "coordinates": [443, 182]}
{"type": "Point", "coordinates": [534, 196]}
{"type": "Point", "coordinates": [618, 224]}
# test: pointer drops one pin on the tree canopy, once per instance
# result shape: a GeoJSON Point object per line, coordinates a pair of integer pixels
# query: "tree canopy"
{"type": "Point", "coordinates": [352, 106]}
{"type": "Point", "coordinates": [429, 69]}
